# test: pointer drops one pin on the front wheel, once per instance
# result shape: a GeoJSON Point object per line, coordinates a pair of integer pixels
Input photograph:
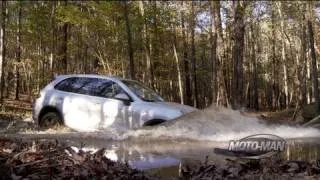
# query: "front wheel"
{"type": "Point", "coordinates": [50, 120]}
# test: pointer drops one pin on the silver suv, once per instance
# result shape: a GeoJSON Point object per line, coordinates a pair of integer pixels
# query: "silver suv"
{"type": "Point", "coordinates": [93, 102]}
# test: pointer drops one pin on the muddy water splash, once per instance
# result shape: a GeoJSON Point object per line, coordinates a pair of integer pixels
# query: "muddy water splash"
{"type": "Point", "coordinates": [219, 124]}
{"type": "Point", "coordinates": [210, 124]}
{"type": "Point", "coordinates": [186, 140]}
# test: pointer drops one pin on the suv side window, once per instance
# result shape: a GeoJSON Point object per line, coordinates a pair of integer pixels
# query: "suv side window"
{"type": "Point", "coordinates": [94, 86]}
{"type": "Point", "coordinates": [111, 91]}
{"type": "Point", "coordinates": [68, 84]}
{"type": "Point", "coordinates": [90, 86]}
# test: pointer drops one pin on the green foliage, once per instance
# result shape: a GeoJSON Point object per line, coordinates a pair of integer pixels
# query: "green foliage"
{"type": "Point", "coordinates": [97, 42]}
{"type": "Point", "coordinates": [71, 14]}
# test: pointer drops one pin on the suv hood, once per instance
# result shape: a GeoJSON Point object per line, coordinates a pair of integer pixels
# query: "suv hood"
{"type": "Point", "coordinates": [183, 108]}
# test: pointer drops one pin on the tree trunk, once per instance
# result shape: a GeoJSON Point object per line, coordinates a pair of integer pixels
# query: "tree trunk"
{"type": "Point", "coordinates": [253, 97]}
{"type": "Point", "coordinates": [302, 66]}
{"type": "Point", "coordinates": [213, 38]}
{"type": "Point", "coordinates": [275, 73]}
{"type": "Point", "coordinates": [314, 67]}
{"type": "Point", "coordinates": [18, 51]}
{"type": "Point", "coordinates": [237, 55]}
{"type": "Point", "coordinates": [188, 93]}
{"type": "Point", "coordinates": [285, 74]}
{"type": "Point", "coordinates": [129, 39]}
{"type": "Point", "coordinates": [221, 78]}
{"type": "Point", "coordinates": [283, 56]}
{"type": "Point", "coordinates": [193, 57]}
{"type": "Point", "coordinates": [309, 78]}
{"type": "Point", "coordinates": [146, 46]}
{"type": "Point", "coordinates": [155, 41]}
{"type": "Point", "coordinates": [65, 48]}
{"type": "Point", "coordinates": [53, 39]}
{"type": "Point", "coordinates": [178, 68]}
{"type": "Point", "coordinates": [2, 46]}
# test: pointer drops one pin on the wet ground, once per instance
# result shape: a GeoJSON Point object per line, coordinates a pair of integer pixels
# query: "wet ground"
{"type": "Point", "coordinates": [187, 141]}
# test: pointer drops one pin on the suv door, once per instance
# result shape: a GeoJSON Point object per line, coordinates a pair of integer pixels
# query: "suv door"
{"type": "Point", "coordinates": [115, 111]}
{"type": "Point", "coordinates": [90, 104]}
{"type": "Point", "coordinates": [81, 110]}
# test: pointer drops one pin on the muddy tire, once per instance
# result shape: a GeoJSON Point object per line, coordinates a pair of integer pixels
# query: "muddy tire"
{"type": "Point", "coordinates": [50, 120]}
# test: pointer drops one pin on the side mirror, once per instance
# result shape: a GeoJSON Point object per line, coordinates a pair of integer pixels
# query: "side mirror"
{"type": "Point", "coordinates": [123, 97]}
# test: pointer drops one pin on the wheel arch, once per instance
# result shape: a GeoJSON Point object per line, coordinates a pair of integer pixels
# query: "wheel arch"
{"type": "Point", "coordinates": [153, 122]}
{"type": "Point", "coordinates": [47, 109]}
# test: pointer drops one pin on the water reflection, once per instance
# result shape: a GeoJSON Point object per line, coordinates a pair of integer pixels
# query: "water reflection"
{"type": "Point", "coordinates": [161, 155]}
{"type": "Point", "coordinates": [302, 149]}
{"type": "Point", "coordinates": [151, 161]}
{"type": "Point", "coordinates": [164, 157]}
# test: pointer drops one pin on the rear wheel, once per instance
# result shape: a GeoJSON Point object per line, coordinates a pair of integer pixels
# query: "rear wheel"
{"type": "Point", "coordinates": [154, 122]}
{"type": "Point", "coordinates": [50, 120]}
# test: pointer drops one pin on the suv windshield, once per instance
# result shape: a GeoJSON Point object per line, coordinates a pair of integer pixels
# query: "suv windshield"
{"type": "Point", "coordinates": [143, 92]}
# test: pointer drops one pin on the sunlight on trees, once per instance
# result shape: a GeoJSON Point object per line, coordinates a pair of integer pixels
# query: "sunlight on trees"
{"type": "Point", "coordinates": [254, 55]}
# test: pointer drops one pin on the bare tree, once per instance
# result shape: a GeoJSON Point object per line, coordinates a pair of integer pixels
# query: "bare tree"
{"type": "Point", "coordinates": [302, 65]}
{"type": "Point", "coordinates": [283, 55]}
{"type": "Point", "coordinates": [129, 39]}
{"type": "Point", "coordinates": [188, 92]}
{"type": "Point", "coordinates": [178, 68]}
{"type": "Point", "coordinates": [213, 38]}
{"type": "Point", "coordinates": [53, 38]}
{"type": "Point", "coordinates": [314, 61]}
{"type": "Point", "coordinates": [193, 57]}
{"type": "Point", "coordinates": [146, 46]}
{"type": "Point", "coordinates": [275, 73]}
{"type": "Point", "coordinates": [237, 54]}
{"type": "Point", "coordinates": [2, 45]}
{"type": "Point", "coordinates": [253, 97]}
{"type": "Point", "coordinates": [18, 50]}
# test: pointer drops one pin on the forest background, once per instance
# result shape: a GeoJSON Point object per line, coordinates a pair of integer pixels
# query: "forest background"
{"type": "Point", "coordinates": [258, 55]}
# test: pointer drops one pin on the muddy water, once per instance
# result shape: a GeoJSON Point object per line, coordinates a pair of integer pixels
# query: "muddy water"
{"type": "Point", "coordinates": [164, 156]}
{"type": "Point", "coordinates": [185, 141]}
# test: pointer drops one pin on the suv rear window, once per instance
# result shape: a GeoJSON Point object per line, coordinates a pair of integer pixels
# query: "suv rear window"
{"type": "Point", "coordinates": [83, 85]}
